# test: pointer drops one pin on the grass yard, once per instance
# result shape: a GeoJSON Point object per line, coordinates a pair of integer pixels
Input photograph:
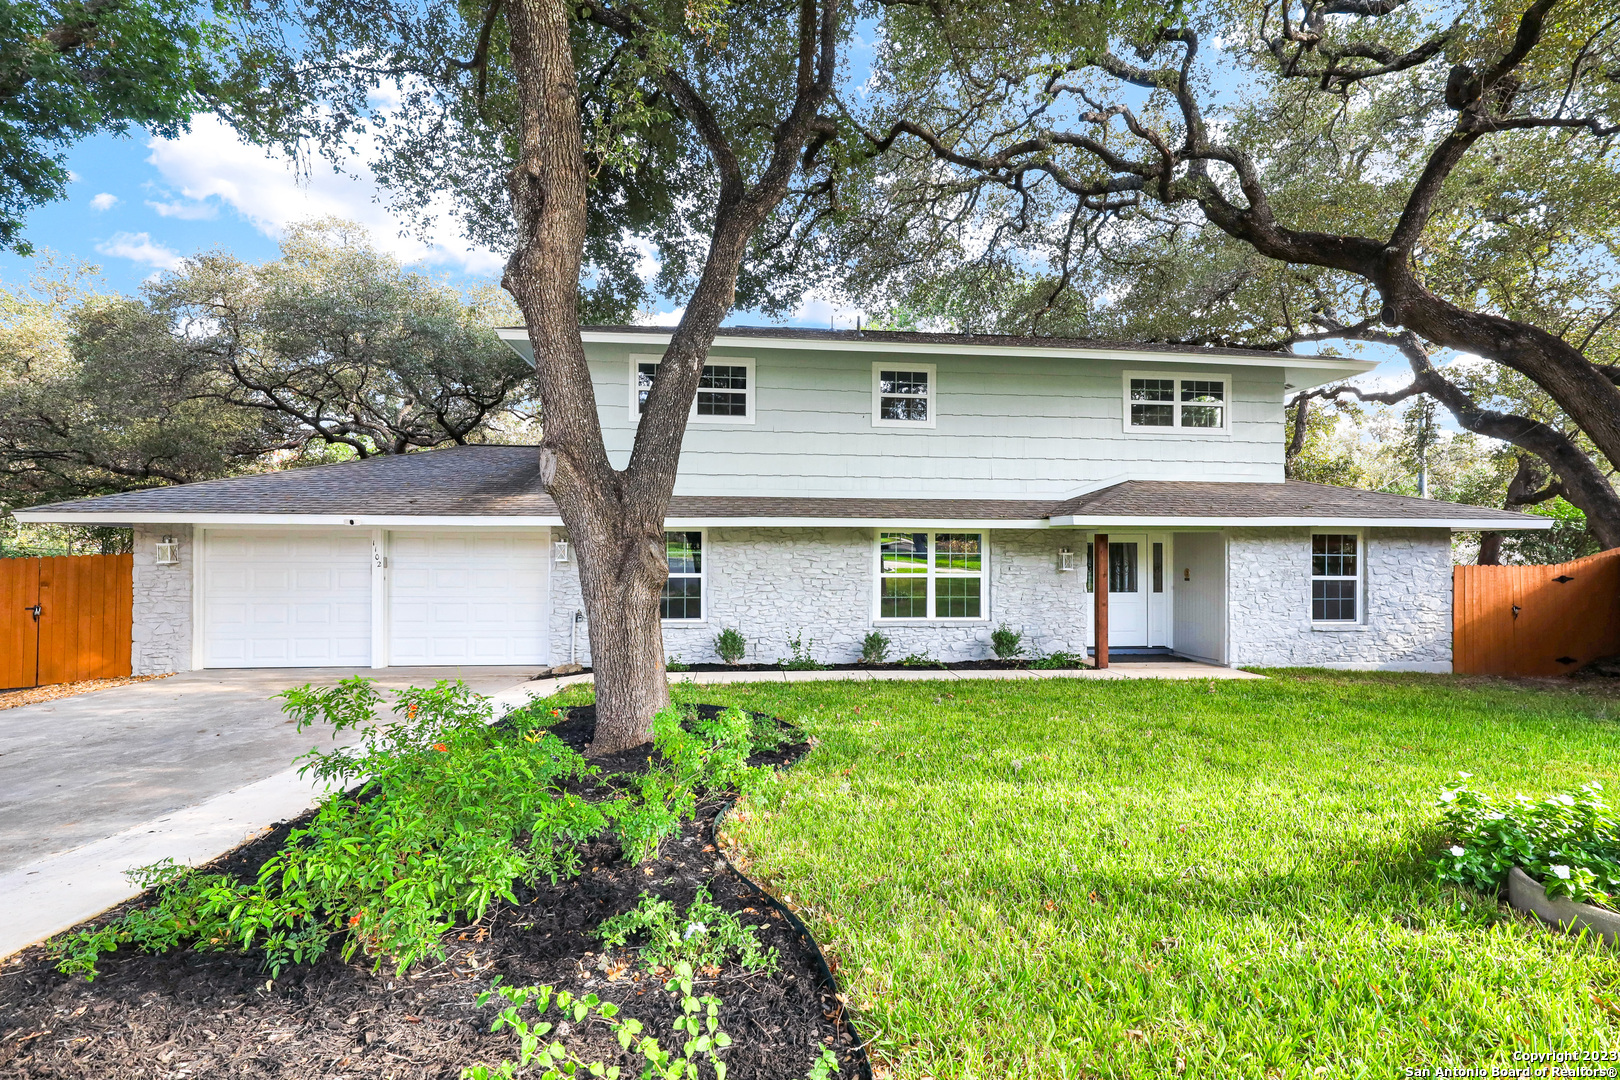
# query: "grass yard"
{"type": "Point", "coordinates": [1157, 879]}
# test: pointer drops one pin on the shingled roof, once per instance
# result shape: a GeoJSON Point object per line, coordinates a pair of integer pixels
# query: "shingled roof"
{"type": "Point", "coordinates": [473, 482]}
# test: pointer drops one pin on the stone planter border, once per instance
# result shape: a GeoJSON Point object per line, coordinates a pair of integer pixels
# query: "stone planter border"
{"type": "Point", "coordinates": [1525, 894]}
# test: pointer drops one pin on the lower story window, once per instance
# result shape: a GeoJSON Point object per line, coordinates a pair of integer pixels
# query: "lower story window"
{"type": "Point", "coordinates": [1335, 577]}
{"type": "Point", "coordinates": [683, 590]}
{"type": "Point", "coordinates": [930, 575]}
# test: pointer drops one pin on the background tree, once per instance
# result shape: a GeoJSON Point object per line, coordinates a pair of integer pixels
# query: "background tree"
{"type": "Point", "coordinates": [71, 68]}
{"type": "Point", "coordinates": [1341, 166]}
{"type": "Point", "coordinates": [331, 351]}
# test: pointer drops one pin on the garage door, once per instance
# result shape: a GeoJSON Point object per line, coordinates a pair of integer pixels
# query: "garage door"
{"type": "Point", "coordinates": [287, 599]}
{"type": "Point", "coordinates": [467, 598]}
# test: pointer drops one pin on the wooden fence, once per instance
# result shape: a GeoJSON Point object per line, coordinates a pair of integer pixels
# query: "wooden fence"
{"type": "Point", "coordinates": [1535, 620]}
{"type": "Point", "coordinates": [64, 619]}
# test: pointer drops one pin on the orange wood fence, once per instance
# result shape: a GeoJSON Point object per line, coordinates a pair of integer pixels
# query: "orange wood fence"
{"type": "Point", "coordinates": [64, 619]}
{"type": "Point", "coordinates": [1535, 620]}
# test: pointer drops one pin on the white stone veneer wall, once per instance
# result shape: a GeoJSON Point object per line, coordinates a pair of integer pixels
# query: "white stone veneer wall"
{"type": "Point", "coordinates": [771, 584]}
{"type": "Point", "coordinates": [1407, 599]}
{"type": "Point", "coordinates": [161, 619]}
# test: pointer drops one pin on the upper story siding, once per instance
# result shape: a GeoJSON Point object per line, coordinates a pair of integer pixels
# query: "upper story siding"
{"type": "Point", "coordinates": [1004, 428]}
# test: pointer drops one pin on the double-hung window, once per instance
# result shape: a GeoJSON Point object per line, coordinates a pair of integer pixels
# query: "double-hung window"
{"type": "Point", "coordinates": [683, 589]}
{"type": "Point", "coordinates": [931, 575]}
{"type": "Point", "coordinates": [903, 394]}
{"type": "Point", "coordinates": [1175, 402]}
{"type": "Point", "coordinates": [725, 393]}
{"type": "Point", "coordinates": [1335, 577]}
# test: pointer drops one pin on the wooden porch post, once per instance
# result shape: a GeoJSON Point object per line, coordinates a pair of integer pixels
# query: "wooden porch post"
{"type": "Point", "coordinates": [1099, 575]}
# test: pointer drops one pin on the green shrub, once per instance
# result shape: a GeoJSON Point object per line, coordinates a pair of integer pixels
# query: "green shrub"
{"type": "Point", "coordinates": [705, 936]}
{"type": "Point", "coordinates": [920, 659]}
{"type": "Point", "coordinates": [450, 814]}
{"type": "Point", "coordinates": [1060, 660]}
{"type": "Point", "coordinates": [730, 646]}
{"type": "Point", "coordinates": [875, 648]}
{"type": "Point", "coordinates": [675, 663]}
{"type": "Point", "coordinates": [1006, 642]}
{"type": "Point", "coordinates": [1570, 843]}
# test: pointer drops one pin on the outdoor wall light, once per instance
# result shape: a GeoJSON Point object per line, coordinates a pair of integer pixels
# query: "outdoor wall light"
{"type": "Point", "coordinates": [559, 551]}
{"type": "Point", "coordinates": [1065, 561]}
{"type": "Point", "coordinates": [168, 552]}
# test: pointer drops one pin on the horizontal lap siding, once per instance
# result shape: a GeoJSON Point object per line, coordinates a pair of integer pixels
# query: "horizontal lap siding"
{"type": "Point", "coordinates": [1021, 427]}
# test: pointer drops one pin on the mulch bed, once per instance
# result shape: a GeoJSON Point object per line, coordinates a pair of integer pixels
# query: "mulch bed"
{"type": "Point", "coordinates": [29, 695]}
{"type": "Point", "coordinates": [192, 1014]}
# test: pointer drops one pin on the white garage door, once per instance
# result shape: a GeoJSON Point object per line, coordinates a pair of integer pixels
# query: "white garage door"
{"type": "Point", "coordinates": [287, 599]}
{"type": "Point", "coordinates": [467, 598]}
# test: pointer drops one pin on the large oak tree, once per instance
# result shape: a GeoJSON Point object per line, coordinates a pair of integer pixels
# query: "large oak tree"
{"type": "Point", "coordinates": [1266, 173]}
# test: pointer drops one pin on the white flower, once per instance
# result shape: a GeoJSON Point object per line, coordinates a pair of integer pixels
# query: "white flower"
{"type": "Point", "coordinates": [1457, 851]}
{"type": "Point", "coordinates": [1561, 871]}
{"type": "Point", "coordinates": [694, 929]}
{"type": "Point", "coordinates": [1466, 775]}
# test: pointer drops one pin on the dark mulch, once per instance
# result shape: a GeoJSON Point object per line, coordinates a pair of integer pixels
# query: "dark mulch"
{"type": "Point", "coordinates": [191, 1014]}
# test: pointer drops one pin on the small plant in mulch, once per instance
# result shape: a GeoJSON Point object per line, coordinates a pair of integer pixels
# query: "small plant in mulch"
{"type": "Point", "coordinates": [730, 646]}
{"type": "Point", "coordinates": [1058, 660]}
{"type": "Point", "coordinates": [705, 935]}
{"type": "Point", "coordinates": [1007, 643]}
{"type": "Point", "coordinates": [920, 659]}
{"type": "Point", "coordinates": [802, 658]}
{"type": "Point", "coordinates": [875, 647]}
{"type": "Point", "coordinates": [1568, 842]}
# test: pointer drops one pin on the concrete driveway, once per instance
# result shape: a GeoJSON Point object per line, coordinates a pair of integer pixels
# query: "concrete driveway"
{"type": "Point", "coordinates": [78, 769]}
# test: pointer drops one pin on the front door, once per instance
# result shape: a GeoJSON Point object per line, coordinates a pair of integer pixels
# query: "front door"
{"type": "Point", "coordinates": [1127, 591]}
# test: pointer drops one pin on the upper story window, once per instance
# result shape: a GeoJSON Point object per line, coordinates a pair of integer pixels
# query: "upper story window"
{"type": "Point", "coordinates": [683, 589]}
{"type": "Point", "coordinates": [1170, 401]}
{"type": "Point", "coordinates": [903, 394]}
{"type": "Point", "coordinates": [1335, 577]}
{"type": "Point", "coordinates": [725, 389]}
{"type": "Point", "coordinates": [924, 575]}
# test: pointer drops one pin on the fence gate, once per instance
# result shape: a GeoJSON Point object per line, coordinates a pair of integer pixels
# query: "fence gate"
{"type": "Point", "coordinates": [1535, 620]}
{"type": "Point", "coordinates": [64, 619]}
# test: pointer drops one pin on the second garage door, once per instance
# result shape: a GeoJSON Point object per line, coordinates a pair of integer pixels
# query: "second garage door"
{"type": "Point", "coordinates": [467, 597]}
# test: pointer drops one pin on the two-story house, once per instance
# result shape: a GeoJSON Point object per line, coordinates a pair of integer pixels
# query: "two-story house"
{"type": "Point", "coordinates": [931, 486]}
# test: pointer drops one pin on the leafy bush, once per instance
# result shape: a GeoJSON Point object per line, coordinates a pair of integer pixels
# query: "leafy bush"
{"type": "Point", "coordinates": [1059, 659]}
{"type": "Point", "coordinates": [705, 936]}
{"type": "Point", "coordinates": [920, 659]}
{"type": "Point", "coordinates": [730, 646]}
{"type": "Point", "coordinates": [1006, 643]}
{"type": "Point", "coordinates": [875, 647]}
{"type": "Point", "coordinates": [675, 663]}
{"type": "Point", "coordinates": [801, 659]}
{"type": "Point", "coordinates": [1570, 843]}
{"type": "Point", "coordinates": [452, 811]}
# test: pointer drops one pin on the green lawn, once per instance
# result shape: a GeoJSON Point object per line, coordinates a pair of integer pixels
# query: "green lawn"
{"type": "Point", "coordinates": [1077, 878]}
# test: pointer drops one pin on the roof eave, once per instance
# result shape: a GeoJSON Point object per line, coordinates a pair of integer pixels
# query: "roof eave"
{"type": "Point", "coordinates": [1099, 521]}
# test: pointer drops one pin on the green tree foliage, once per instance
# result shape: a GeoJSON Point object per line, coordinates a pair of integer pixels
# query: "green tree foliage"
{"type": "Point", "coordinates": [333, 350]}
{"type": "Point", "coordinates": [70, 68]}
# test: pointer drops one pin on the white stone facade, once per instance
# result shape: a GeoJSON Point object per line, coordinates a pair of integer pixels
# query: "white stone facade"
{"type": "Point", "coordinates": [773, 584]}
{"type": "Point", "coordinates": [161, 618]}
{"type": "Point", "coordinates": [1406, 602]}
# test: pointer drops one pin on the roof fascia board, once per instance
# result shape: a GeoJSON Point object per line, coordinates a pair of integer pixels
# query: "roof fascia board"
{"type": "Point", "coordinates": [899, 524]}
{"type": "Point", "coordinates": [1339, 365]}
{"type": "Point", "coordinates": [485, 521]}
{"type": "Point", "coordinates": [1139, 521]}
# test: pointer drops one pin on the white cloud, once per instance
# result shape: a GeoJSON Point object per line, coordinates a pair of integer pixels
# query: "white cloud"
{"type": "Point", "coordinates": [660, 318]}
{"type": "Point", "coordinates": [104, 201]}
{"type": "Point", "coordinates": [186, 211]}
{"type": "Point", "coordinates": [210, 165]}
{"type": "Point", "coordinates": [824, 314]}
{"type": "Point", "coordinates": [139, 247]}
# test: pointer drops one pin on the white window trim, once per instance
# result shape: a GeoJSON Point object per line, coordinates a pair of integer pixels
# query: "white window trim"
{"type": "Point", "coordinates": [1224, 431]}
{"type": "Point", "coordinates": [1360, 621]}
{"type": "Point", "coordinates": [703, 582]}
{"type": "Point", "coordinates": [877, 577]}
{"type": "Point", "coordinates": [692, 417]}
{"type": "Point", "coordinates": [877, 396]}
